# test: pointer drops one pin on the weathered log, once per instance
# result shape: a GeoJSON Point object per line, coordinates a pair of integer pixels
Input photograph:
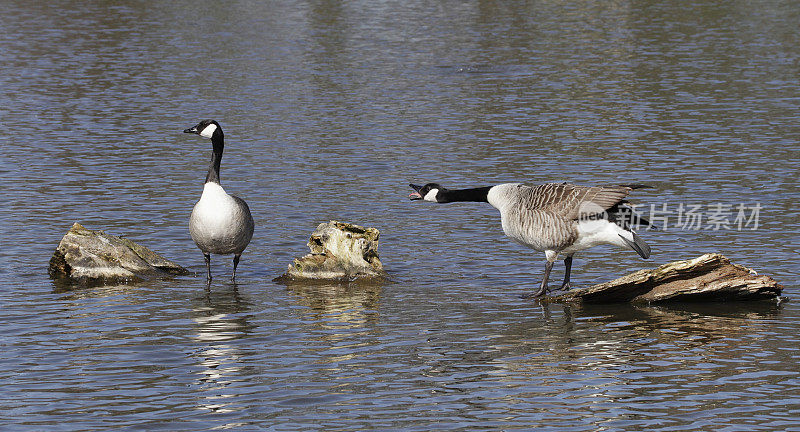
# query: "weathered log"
{"type": "Point", "coordinates": [709, 277]}
{"type": "Point", "coordinates": [340, 251]}
{"type": "Point", "coordinates": [96, 258]}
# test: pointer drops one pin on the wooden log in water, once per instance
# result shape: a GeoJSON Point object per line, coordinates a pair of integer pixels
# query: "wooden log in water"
{"type": "Point", "coordinates": [709, 277]}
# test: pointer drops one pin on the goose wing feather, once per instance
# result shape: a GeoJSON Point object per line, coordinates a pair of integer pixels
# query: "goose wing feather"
{"type": "Point", "coordinates": [574, 202]}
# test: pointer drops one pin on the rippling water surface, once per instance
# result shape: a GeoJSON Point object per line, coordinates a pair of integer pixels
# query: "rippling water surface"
{"type": "Point", "coordinates": [330, 109]}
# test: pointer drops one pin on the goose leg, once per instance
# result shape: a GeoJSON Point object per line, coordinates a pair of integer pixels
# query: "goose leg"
{"type": "Point", "coordinates": [235, 263]}
{"type": "Point", "coordinates": [208, 267]}
{"type": "Point", "coordinates": [568, 264]}
{"type": "Point", "coordinates": [543, 288]}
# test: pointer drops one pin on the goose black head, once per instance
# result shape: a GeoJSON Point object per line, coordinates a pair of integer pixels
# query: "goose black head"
{"type": "Point", "coordinates": [206, 129]}
{"type": "Point", "coordinates": [427, 192]}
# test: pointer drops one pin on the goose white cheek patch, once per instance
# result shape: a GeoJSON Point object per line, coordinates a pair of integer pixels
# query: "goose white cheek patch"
{"type": "Point", "coordinates": [431, 195]}
{"type": "Point", "coordinates": [208, 130]}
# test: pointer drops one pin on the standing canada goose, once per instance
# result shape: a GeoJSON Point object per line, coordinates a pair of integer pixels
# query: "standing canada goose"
{"type": "Point", "coordinates": [554, 218]}
{"type": "Point", "coordinates": [220, 223]}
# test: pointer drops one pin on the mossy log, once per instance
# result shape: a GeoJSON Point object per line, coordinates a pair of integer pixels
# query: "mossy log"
{"type": "Point", "coordinates": [95, 258]}
{"type": "Point", "coordinates": [709, 277]}
{"type": "Point", "coordinates": [340, 251]}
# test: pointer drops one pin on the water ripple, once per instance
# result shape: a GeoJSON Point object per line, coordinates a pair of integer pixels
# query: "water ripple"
{"type": "Point", "coordinates": [330, 109]}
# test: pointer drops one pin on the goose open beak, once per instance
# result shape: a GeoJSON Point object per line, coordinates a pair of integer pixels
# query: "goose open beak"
{"type": "Point", "coordinates": [413, 196]}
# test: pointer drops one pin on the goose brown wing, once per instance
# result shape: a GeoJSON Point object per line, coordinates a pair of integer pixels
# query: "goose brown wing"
{"type": "Point", "coordinates": [574, 202]}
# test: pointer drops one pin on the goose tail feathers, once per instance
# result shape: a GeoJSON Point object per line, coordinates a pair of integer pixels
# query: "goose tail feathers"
{"type": "Point", "coordinates": [637, 244]}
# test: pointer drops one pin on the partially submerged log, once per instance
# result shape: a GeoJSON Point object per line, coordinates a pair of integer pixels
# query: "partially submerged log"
{"type": "Point", "coordinates": [340, 251]}
{"type": "Point", "coordinates": [709, 277]}
{"type": "Point", "coordinates": [96, 258]}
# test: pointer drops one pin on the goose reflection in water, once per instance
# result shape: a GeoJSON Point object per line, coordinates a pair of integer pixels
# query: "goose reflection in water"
{"type": "Point", "coordinates": [219, 318]}
{"type": "Point", "coordinates": [634, 353]}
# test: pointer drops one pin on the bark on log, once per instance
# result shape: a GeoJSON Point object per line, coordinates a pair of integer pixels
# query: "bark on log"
{"type": "Point", "coordinates": [96, 258]}
{"type": "Point", "coordinates": [709, 277]}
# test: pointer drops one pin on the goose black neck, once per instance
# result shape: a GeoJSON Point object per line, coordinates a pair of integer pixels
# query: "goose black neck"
{"type": "Point", "coordinates": [218, 143]}
{"type": "Point", "coordinates": [480, 194]}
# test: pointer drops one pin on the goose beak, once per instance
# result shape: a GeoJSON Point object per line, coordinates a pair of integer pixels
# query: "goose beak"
{"type": "Point", "coordinates": [190, 130]}
{"type": "Point", "coordinates": [413, 196]}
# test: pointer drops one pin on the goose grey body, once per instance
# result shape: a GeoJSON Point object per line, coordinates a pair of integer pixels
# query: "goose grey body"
{"type": "Point", "coordinates": [554, 218]}
{"type": "Point", "coordinates": [220, 223]}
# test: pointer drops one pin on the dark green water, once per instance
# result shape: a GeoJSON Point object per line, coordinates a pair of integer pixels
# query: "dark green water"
{"type": "Point", "coordinates": [330, 109]}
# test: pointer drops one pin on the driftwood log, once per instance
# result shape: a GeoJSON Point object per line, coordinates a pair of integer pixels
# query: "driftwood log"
{"type": "Point", "coordinates": [341, 252]}
{"type": "Point", "coordinates": [95, 258]}
{"type": "Point", "coordinates": [709, 277]}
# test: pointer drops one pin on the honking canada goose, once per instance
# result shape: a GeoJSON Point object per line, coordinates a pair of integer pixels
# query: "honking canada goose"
{"type": "Point", "coordinates": [220, 223]}
{"type": "Point", "coordinates": [554, 218]}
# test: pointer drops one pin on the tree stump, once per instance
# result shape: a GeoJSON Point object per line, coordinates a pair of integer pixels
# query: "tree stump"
{"type": "Point", "coordinates": [340, 251]}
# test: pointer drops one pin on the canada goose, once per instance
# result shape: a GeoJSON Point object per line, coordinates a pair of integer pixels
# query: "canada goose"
{"type": "Point", "coordinates": [220, 223]}
{"type": "Point", "coordinates": [554, 218]}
